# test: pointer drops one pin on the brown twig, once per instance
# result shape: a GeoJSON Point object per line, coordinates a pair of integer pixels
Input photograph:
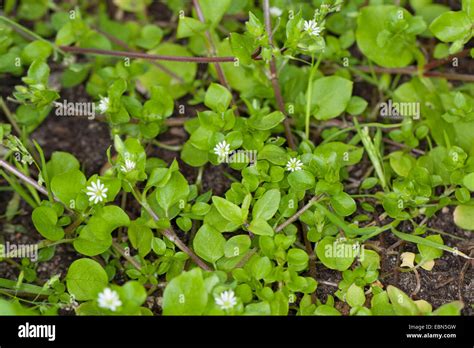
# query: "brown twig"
{"type": "Point", "coordinates": [274, 77]}
{"type": "Point", "coordinates": [438, 62]}
{"type": "Point", "coordinates": [123, 44]}
{"type": "Point", "coordinates": [297, 214]}
{"type": "Point", "coordinates": [122, 252]}
{"type": "Point", "coordinates": [210, 43]}
{"type": "Point", "coordinates": [96, 51]}
{"type": "Point", "coordinates": [213, 52]}
{"type": "Point", "coordinates": [9, 116]}
{"type": "Point", "coordinates": [246, 257]}
{"type": "Point", "coordinates": [309, 250]}
{"type": "Point", "coordinates": [462, 273]}
{"type": "Point", "coordinates": [394, 143]}
{"type": "Point", "coordinates": [176, 121]}
{"type": "Point", "coordinates": [7, 166]}
{"type": "Point", "coordinates": [415, 71]}
{"type": "Point", "coordinates": [418, 283]}
{"type": "Point", "coordinates": [172, 236]}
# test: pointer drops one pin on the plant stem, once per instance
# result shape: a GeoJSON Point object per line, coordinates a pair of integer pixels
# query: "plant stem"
{"type": "Point", "coordinates": [96, 51]}
{"type": "Point", "coordinates": [213, 52]}
{"type": "Point", "coordinates": [10, 117]}
{"type": "Point", "coordinates": [309, 92]}
{"type": "Point", "coordinates": [119, 42]}
{"type": "Point", "coordinates": [298, 214]}
{"type": "Point", "coordinates": [170, 233]}
{"type": "Point", "coordinates": [199, 178]}
{"type": "Point", "coordinates": [176, 121]}
{"type": "Point", "coordinates": [436, 63]}
{"type": "Point", "coordinates": [274, 77]}
{"type": "Point", "coordinates": [415, 71]}
{"type": "Point", "coordinates": [8, 167]}
{"type": "Point", "coordinates": [166, 146]}
{"type": "Point", "coordinates": [32, 35]}
{"type": "Point", "coordinates": [122, 252]}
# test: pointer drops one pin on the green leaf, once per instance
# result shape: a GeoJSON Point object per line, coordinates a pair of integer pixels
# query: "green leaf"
{"type": "Point", "coordinates": [468, 7]}
{"type": "Point", "coordinates": [343, 204]}
{"type": "Point", "coordinates": [356, 105]}
{"type": "Point", "coordinates": [213, 11]}
{"type": "Point", "coordinates": [297, 259]}
{"type": "Point", "coordinates": [159, 106]}
{"type": "Point", "coordinates": [140, 236]}
{"type": "Point", "coordinates": [468, 181]}
{"type": "Point", "coordinates": [451, 26]}
{"type": "Point", "coordinates": [185, 294]}
{"type": "Point", "coordinates": [38, 73]}
{"type": "Point", "coordinates": [301, 180]}
{"type": "Point", "coordinates": [374, 22]}
{"type": "Point", "coordinates": [61, 162]}
{"type": "Point", "coordinates": [68, 185]}
{"type": "Point", "coordinates": [430, 253]}
{"type": "Point", "coordinates": [209, 243]}
{"type": "Point", "coordinates": [261, 227]}
{"type": "Point", "coordinates": [355, 296]}
{"type": "Point", "coordinates": [326, 310]}
{"type": "Point", "coordinates": [242, 48]}
{"type": "Point", "coordinates": [185, 70]}
{"type": "Point", "coordinates": [261, 267]}
{"type": "Point", "coordinates": [427, 242]}
{"type": "Point", "coordinates": [85, 279]}
{"type": "Point", "coordinates": [266, 122]}
{"type": "Point", "coordinates": [331, 95]}
{"type": "Point", "coordinates": [131, 5]}
{"type": "Point", "coordinates": [370, 260]}
{"type": "Point", "coordinates": [158, 246]}
{"type": "Point", "coordinates": [267, 205]}
{"type": "Point", "coordinates": [402, 163]}
{"type": "Point", "coordinates": [237, 246]}
{"type": "Point", "coordinates": [188, 26]}
{"type": "Point", "coordinates": [150, 37]}
{"type": "Point", "coordinates": [95, 237]}
{"type": "Point", "coordinates": [38, 49]}
{"type": "Point", "coordinates": [175, 190]}
{"type": "Point", "coordinates": [228, 210]}
{"type": "Point", "coordinates": [452, 308]}
{"type": "Point", "coordinates": [333, 253]}
{"type": "Point", "coordinates": [464, 216]}
{"type": "Point", "coordinates": [274, 154]}
{"type": "Point", "coordinates": [368, 183]}
{"type": "Point", "coordinates": [402, 304]}
{"type": "Point", "coordinates": [45, 220]}
{"type": "Point", "coordinates": [217, 98]}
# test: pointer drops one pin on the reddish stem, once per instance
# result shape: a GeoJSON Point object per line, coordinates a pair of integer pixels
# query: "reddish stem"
{"type": "Point", "coordinates": [274, 77]}
{"type": "Point", "coordinates": [140, 55]}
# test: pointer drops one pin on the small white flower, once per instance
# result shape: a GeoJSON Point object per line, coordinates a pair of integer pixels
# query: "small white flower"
{"type": "Point", "coordinates": [96, 192]}
{"type": "Point", "coordinates": [128, 167]}
{"type": "Point", "coordinates": [103, 104]}
{"type": "Point", "coordinates": [312, 28]}
{"type": "Point", "coordinates": [275, 11]}
{"type": "Point", "coordinates": [109, 299]}
{"type": "Point", "coordinates": [294, 164]}
{"type": "Point", "coordinates": [226, 300]}
{"type": "Point", "coordinates": [222, 150]}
